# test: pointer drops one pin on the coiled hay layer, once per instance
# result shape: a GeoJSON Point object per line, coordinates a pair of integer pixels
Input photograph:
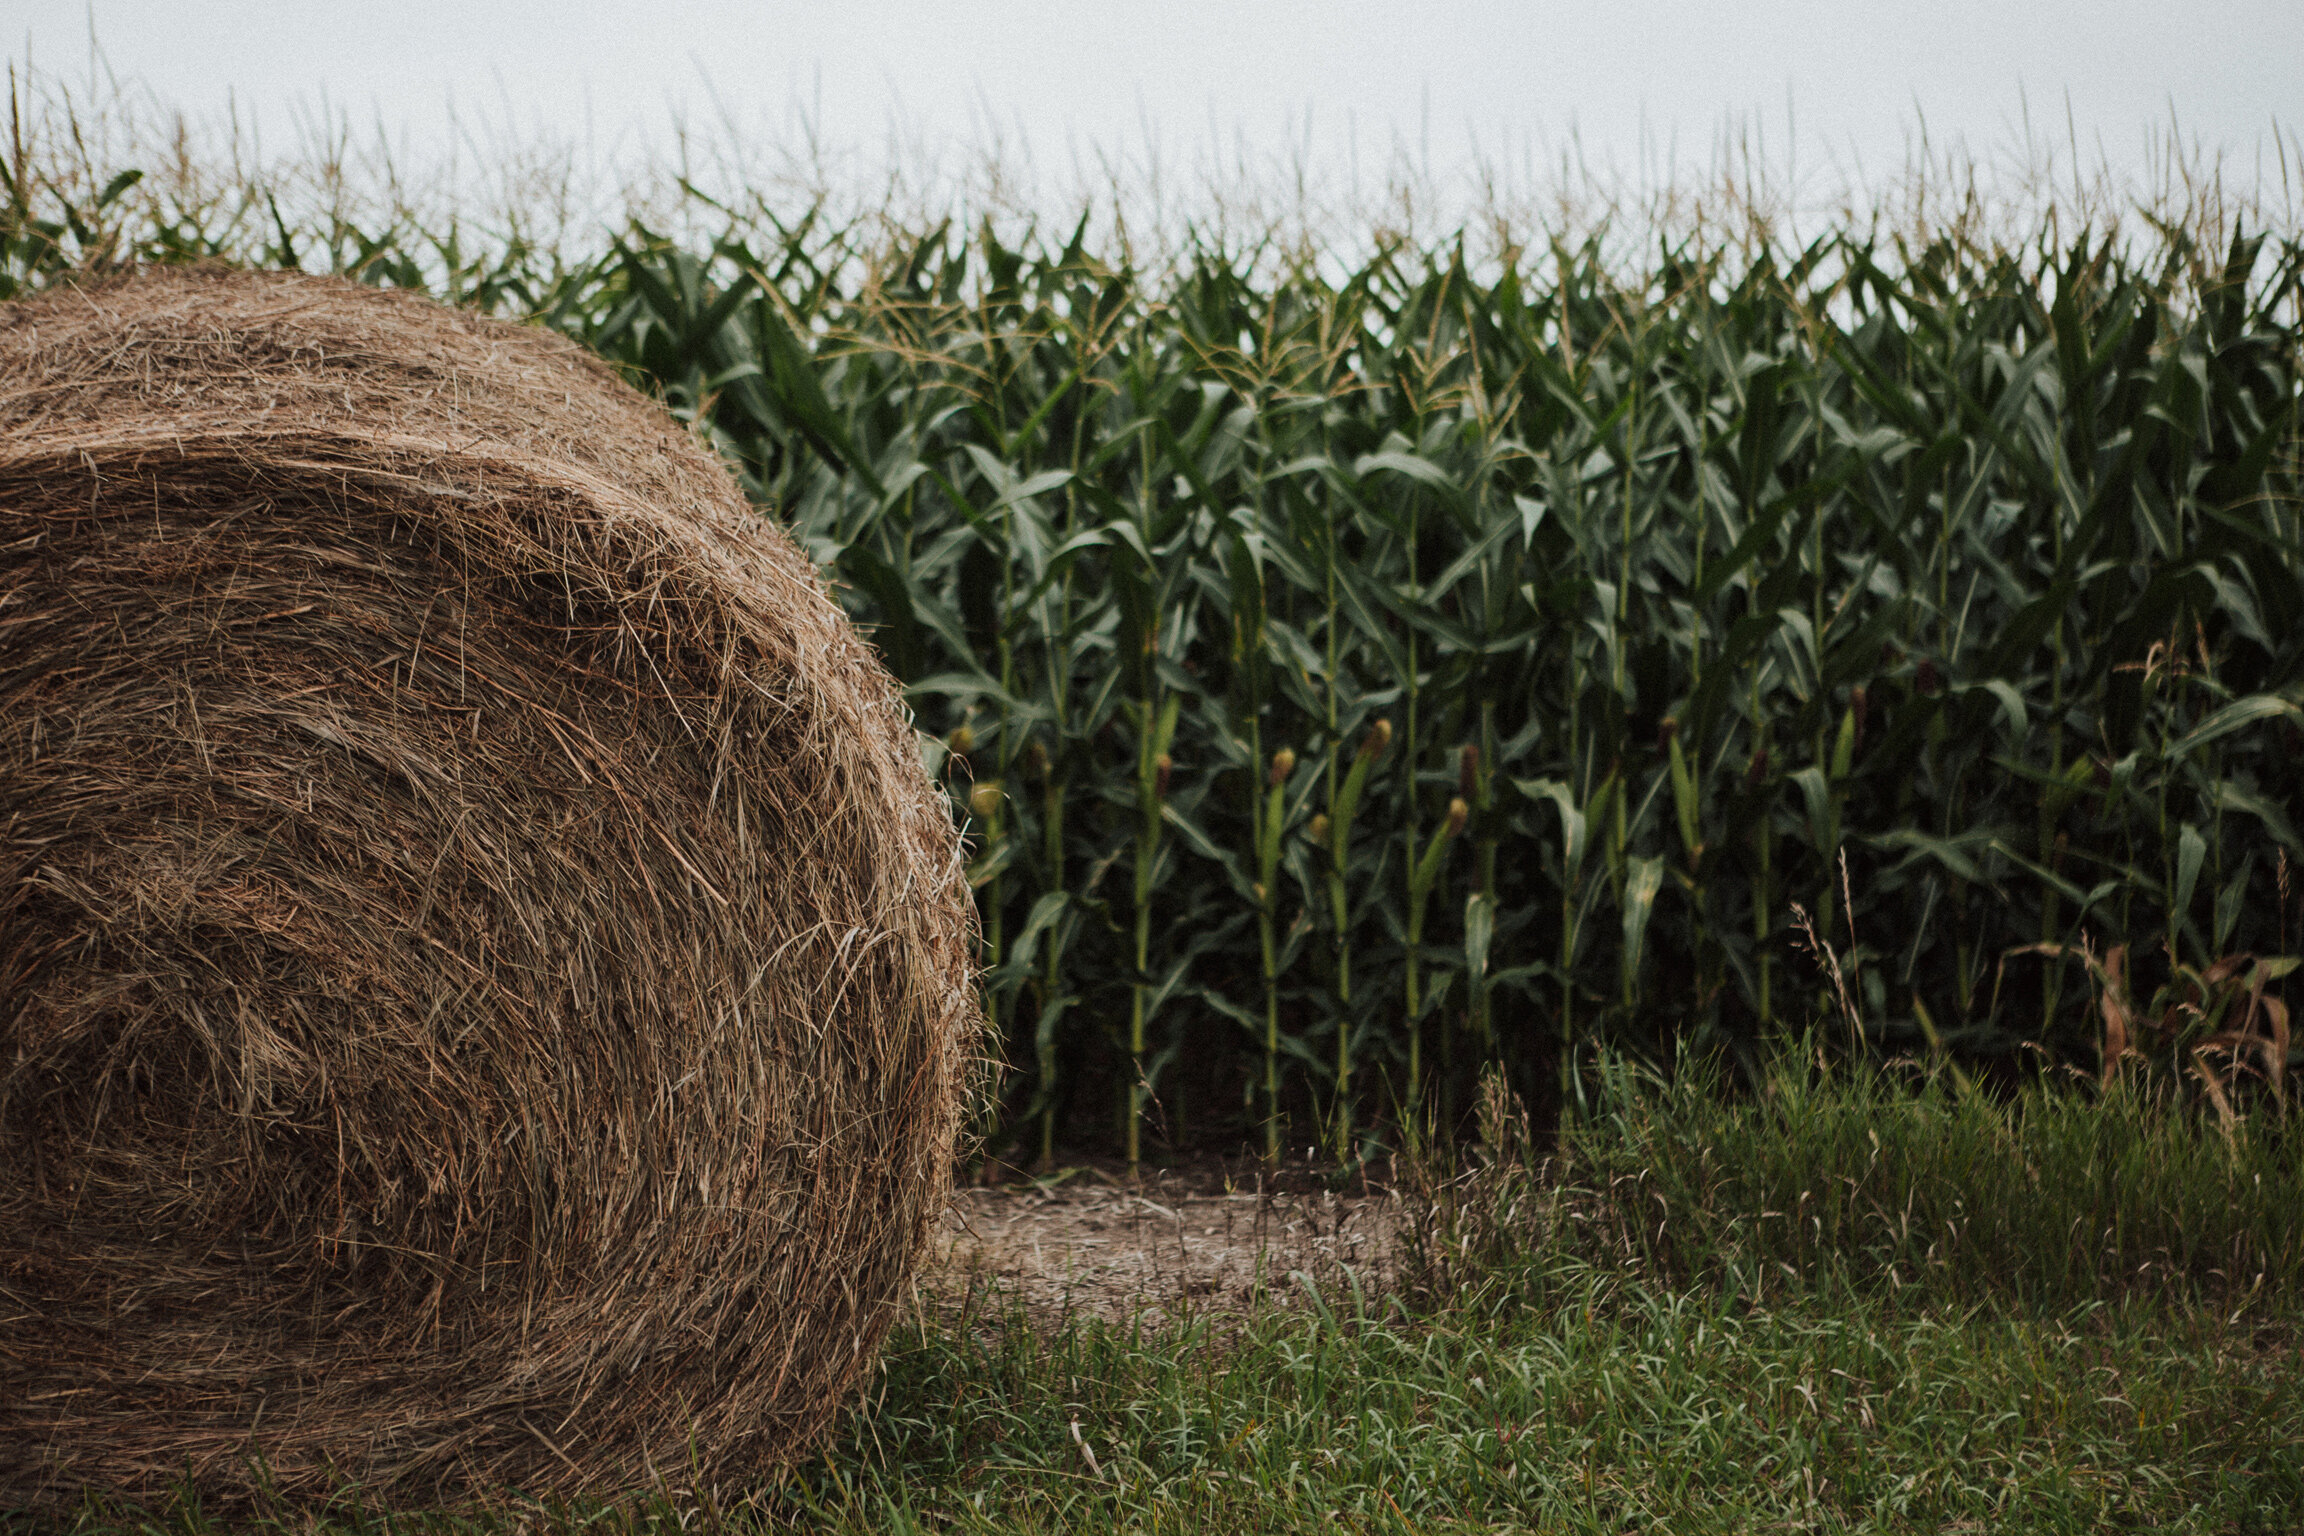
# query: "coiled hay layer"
{"type": "Point", "coordinates": [487, 989]}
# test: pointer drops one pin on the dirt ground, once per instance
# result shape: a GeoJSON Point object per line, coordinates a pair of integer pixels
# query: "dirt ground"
{"type": "Point", "coordinates": [1191, 1239]}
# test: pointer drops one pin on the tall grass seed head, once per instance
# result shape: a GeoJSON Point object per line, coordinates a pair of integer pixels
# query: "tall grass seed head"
{"type": "Point", "coordinates": [962, 742]}
{"type": "Point", "coordinates": [984, 799]}
{"type": "Point", "coordinates": [1378, 738]}
{"type": "Point", "coordinates": [1468, 769]}
{"type": "Point", "coordinates": [1458, 814]}
{"type": "Point", "coordinates": [1161, 767]}
{"type": "Point", "coordinates": [1036, 761]}
{"type": "Point", "coordinates": [1283, 764]}
{"type": "Point", "coordinates": [1666, 729]}
{"type": "Point", "coordinates": [1317, 828]}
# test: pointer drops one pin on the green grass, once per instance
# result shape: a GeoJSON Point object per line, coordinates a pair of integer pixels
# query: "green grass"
{"type": "Point", "coordinates": [1547, 1363]}
{"type": "Point", "coordinates": [2050, 1198]}
{"type": "Point", "coordinates": [1609, 1404]}
{"type": "Point", "coordinates": [1613, 1406]}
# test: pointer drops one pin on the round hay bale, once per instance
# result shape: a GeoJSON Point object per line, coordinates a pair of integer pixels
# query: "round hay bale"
{"type": "Point", "coordinates": [485, 983]}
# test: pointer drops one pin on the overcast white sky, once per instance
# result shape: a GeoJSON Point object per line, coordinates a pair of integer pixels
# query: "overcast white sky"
{"type": "Point", "coordinates": [1637, 83]}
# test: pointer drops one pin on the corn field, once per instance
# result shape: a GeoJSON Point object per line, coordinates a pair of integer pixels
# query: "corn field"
{"type": "Point", "coordinates": [1351, 679]}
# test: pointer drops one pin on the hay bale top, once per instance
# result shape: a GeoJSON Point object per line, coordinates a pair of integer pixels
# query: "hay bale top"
{"type": "Point", "coordinates": [311, 371]}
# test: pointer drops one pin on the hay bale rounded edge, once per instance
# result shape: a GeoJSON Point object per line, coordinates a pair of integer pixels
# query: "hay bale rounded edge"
{"type": "Point", "coordinates": [488, 994]}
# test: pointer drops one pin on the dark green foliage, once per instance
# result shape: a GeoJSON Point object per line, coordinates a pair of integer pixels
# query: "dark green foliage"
{"type": "Point", "coordinates": [1978, 570]}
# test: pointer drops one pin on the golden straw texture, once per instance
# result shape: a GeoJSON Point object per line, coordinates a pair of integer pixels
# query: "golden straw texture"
{"type": "Point", "coordinates": [485, 983]}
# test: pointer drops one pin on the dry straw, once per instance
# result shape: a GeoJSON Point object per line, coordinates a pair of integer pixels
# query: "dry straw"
{"type": "Point", "coordinates": [485, 992]}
